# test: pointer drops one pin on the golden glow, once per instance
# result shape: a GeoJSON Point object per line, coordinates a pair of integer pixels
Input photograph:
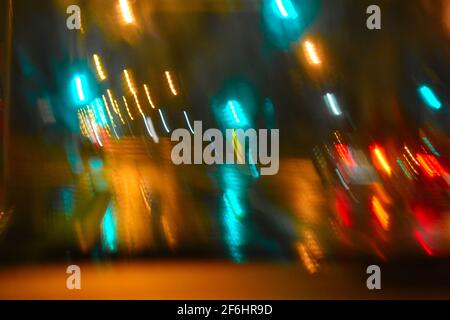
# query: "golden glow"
{"type": "Point", "coordinates": [380, 213]}
{"type": "Point", "coordinates": [382, 160]}
{"type": "Point", "coordinates": [171, 85]}
{"type": "Point", "coordinates": [311, 53]}
{"type": "Point", "coordinates": [118, 112]}
{"type": "Point", "coordinates": [112, 101]}
{"type": "Point", "coordinates": [138, 104]}
{"type": "Point", "coordinates": [127, 13]}
{"type": "Point", "coordinates": [129, 82]}
{"type": "Point", "coordinates": [308, 260]}
{"type": "Point", "coordinates": [410, 155]}
{"type": "Point", "coordinates": [83, 128]}
{"type": "Point", "coordinates": [128, 109]}
{"type": "Point", "coordinates": [426, 166]}
{"type": "Point", "coordinates": [147, 92]}
{"type": "Point", "coordinates": [109, 112]}
{"type": "Point", "coordinates": [99, 67]}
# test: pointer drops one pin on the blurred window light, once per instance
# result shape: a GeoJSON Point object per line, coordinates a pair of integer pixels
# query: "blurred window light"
{"type": "Point", "coordinates": [188, 122]}
{"type": "Point", "coordinates": [332, 104]}
{"type": "Point", "coordinates": [79, 88]}
{"type": "Point", "coordinates": [286, 9]}
{"type": "Point", "coordinates": [429, 97]}
{"type": "Point", "coordinates": [127, 14]}
{"type": "Point", "coordinates": [128, 109]}
{"type": "Point", "coordinates": [149, 98]}
{"type": "Point", "coordinates": [233, 111]}
{"type": "Point", "coordinates": [99, 67]}
{"type": "Point", "coordinates": [381, 159]}
{"type": "Point", "coordinates": [109, 230]}
{"type": "Point", "coordinates": [129, 81]}
{"type": "Point", "coordinates": [311, 53]}
{"type": "Point", "coordinates": [163, 121]}
{"type": "Point", "coordinates": [171, 84]}
{"type": "Point", "coordinates": [430, 146]}
{"type": "Point", "coordinates": [380, 213]}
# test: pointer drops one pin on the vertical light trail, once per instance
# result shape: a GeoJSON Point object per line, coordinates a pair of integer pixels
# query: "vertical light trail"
{"type": "Point", "coordinates": [163, 121]}
{"type": "Point", "coordinates": [151, 129]}
{"type": "Point", "coordinates": [118, 112]}
{"type": "Point", "coordinates": [94, 126]}
{"type": "Point", "coordinates": [171, 84]}
{"type": "Point", "coordinates": [311, 52]}
{"type": "Point", "coordinates": [129, 82]}
{"type": "Point", "coordinates": [110, 116]}
{"type": "Point", "coordinates": [126, 11]}
{"type": "Point", "coordinates": [332, 103]}
{"type": "Point", "coordinates": [79, 87]}
{"type": "Point", "coordinates": [138, 105]}
{"type": "Point", "coordinates": [147, 92]}
{"type": "Point", "coordinates": [286, 9]}
{"type": "Point", "coordinates": [128, 109]}
{"type": "Point", "coordinates": [233, 111]}
{"type": "Point", "coordinates": [99, 67]}
{"type": "Point", "coordinates": [111, 99]}
{"type": "Point", "coordinates": [188, 122]}
{"type": "Point", "coordinates": [382, 160]}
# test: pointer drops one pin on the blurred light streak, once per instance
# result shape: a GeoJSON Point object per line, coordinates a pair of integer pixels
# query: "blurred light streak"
{"type": "Point", "coordinates": [332, 104]}
{"type": "Point", "coordinates": [79, 88]}
{"type": "Point", "coordinates": [168, 232]}
{"type": "Point", "coordinates": [405, 171]}
{"type": "Point", "coordinates": [150, 128]}
{"type": "Point", "coordinates": [345, 154]}
{"type": "Point", "coordinates": [430, 146]}
{"type": "Point", "coordinates": [381, 159]}
{"type": "Point", "coordinates": [313, 244]}
{"type": "Point", "coordinates": [308, 260]}
{"type": "Point", "coordinates": [426, 165]}
{"type": "Point", "coordinates": [126, 11]}
{"type": "Point", "coordinates": [99, 67]}
{"type": "Point", "coordinates": [238, 115]}
{"type": "Point", "coordinates": [128, 109]}
{"type": "Point", "coordinates": [83, 128]}
{"type": "Point", "coordinates": [380, 213]}
{"type": "Point", "coordinates": [111, 99]}
{"type": "Point", "coordinates": [341, 178]}
{"type": "Point", "coordinates": [429, 98]}
{"type": "Point", "coordinates": [237, 147]}
{"type": "Point", "coordinates": [410, 165]}
{"type": "Point", "coordinates": [410, 155]}
{"type": "Point", "coordinates": [117, 108]}
{"type": "Point", "coordinates": [94, 126]}
{"type": "Point", "coordinates": [129, 82]}
{"type": "Point", "coordinates": [109, 230]}
{"type": "Point", "coordinates": [149, 98]}
{"type": "Point", "coordinates": [188, 122]}
{"type": "Point", "coordinates": [311, 53]}
{"type": "Point", "coordinates": [163, 121]}
{"type": "Point", "coordinates": [138, 104]}
{"type": "Point", "coordinates": [171, 84]}
{"type": "Point", "coordinates": [286, 9]}
{"type": "Point", "coordinates": [231, 199]}
{"type": "Point", "coordinates": [111, 118]}
{"type": "Point", "coordinates": [343, 208]}
{"type": "Point", "coordinates": [233, 111]}
{"type": "Point", "coordinates": [422, 242]}
{"type": "Point", "coordinates": [101, 112]}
